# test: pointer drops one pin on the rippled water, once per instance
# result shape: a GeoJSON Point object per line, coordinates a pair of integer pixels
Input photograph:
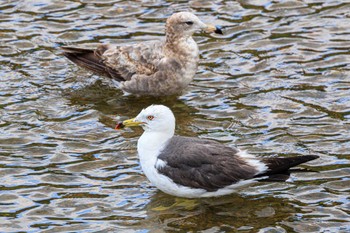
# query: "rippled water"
{"type": "Point", "coordinates": [277, 82]}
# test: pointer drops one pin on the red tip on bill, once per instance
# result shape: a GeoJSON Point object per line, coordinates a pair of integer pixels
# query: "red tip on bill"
{"type": "Point", "coordinates": [120, 125]}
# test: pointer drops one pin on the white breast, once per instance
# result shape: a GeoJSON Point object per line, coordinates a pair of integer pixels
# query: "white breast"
{"type": "Point", "coordinates": [149, 147]}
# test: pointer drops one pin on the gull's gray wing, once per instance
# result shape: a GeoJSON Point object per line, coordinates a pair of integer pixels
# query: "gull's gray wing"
{"type": "Point", "coordinates": [205, 164]}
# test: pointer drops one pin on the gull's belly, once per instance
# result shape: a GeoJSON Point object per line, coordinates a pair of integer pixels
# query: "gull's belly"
{"type": "Point", "coordinates": [166, 185]}
{"type": "Point", "coordinates": [148, 154]}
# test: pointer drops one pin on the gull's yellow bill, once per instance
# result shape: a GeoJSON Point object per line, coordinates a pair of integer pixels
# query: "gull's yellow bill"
{"type": "Point", "coordinates": [128, 123]}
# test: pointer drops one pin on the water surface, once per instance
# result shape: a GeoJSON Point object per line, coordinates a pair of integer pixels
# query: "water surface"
{"type": "Point", "coordinates": [277, 83]}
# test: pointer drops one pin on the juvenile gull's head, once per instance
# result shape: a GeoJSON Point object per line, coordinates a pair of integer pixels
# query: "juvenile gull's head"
{"type": "Point", "coordinates": [185, 24]}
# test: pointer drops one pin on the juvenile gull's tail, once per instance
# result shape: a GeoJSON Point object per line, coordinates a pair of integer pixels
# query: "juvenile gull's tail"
{"type": "Point", "coordinates": [91, 60]}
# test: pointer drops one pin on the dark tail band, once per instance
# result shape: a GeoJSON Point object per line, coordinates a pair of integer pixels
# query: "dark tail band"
{"type": "Point", "coordinates": [91, 60]}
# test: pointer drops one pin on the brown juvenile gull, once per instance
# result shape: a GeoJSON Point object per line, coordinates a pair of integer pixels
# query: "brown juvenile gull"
{"type": "Point", "coordinates": [155, 68]}
{"type": "Point", "coordinates": [192, 167]}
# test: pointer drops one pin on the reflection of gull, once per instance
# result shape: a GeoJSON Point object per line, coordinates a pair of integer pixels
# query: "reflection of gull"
{"type": "Point", "coordinates": [193, 167]}
{"type": "Point", "coordinates": [150, 68]}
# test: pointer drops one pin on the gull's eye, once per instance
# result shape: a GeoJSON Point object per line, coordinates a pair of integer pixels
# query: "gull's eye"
{"type": "Point", "coordinates": [150, 117]}
{"type": "Point", "coordinates": [189, 22]}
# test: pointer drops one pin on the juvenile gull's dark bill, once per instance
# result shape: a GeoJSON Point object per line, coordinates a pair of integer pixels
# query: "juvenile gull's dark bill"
{"type": "Point", "coordinates": [155, 68]}
{"type": "Point", "coordinates": [192, 167]}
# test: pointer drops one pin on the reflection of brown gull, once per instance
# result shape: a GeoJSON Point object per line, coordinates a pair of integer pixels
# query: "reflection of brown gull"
{"type": "Point", "coordinates": [151, 68]}
{"type": "Point", "coordinates": [193, 167]}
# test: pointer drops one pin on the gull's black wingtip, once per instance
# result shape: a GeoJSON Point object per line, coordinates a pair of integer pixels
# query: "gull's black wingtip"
{"type": "Point", "coordinates": [311, 157]}
{"type": "Point", "coordinates": [281, 165]}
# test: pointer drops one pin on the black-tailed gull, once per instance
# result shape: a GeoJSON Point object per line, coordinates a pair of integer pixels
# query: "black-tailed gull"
{"type": "Point", "coordinates": [155, 68]}
{"type": "Point", "coordinates": [192, 167]}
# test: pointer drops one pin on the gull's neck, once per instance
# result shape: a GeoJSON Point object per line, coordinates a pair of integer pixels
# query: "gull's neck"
{"type": "Point", "coordinates": [150, 144]}
{"type": "Point", "coordinates": [180, 45]}
{"type": "Point", "coordinates": [152, 141]}
{"type": "Point", "coordinates": [185, 51]}
{"type": "Point", "coordinates": [183, 46]}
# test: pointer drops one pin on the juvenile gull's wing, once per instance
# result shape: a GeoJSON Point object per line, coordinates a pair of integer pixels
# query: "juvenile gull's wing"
{"type": "Point", "coordinates": [204, 164]}
{"type": "Point", "coordinates": [141, 68]}
{"type": "Point", "coordinates": [140, 59]}
{"type": "Point", "coordinates": [118, 62]}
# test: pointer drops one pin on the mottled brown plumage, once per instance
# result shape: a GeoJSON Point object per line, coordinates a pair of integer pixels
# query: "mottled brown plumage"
{"type": "Point", "coordinates": [154, 68]}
